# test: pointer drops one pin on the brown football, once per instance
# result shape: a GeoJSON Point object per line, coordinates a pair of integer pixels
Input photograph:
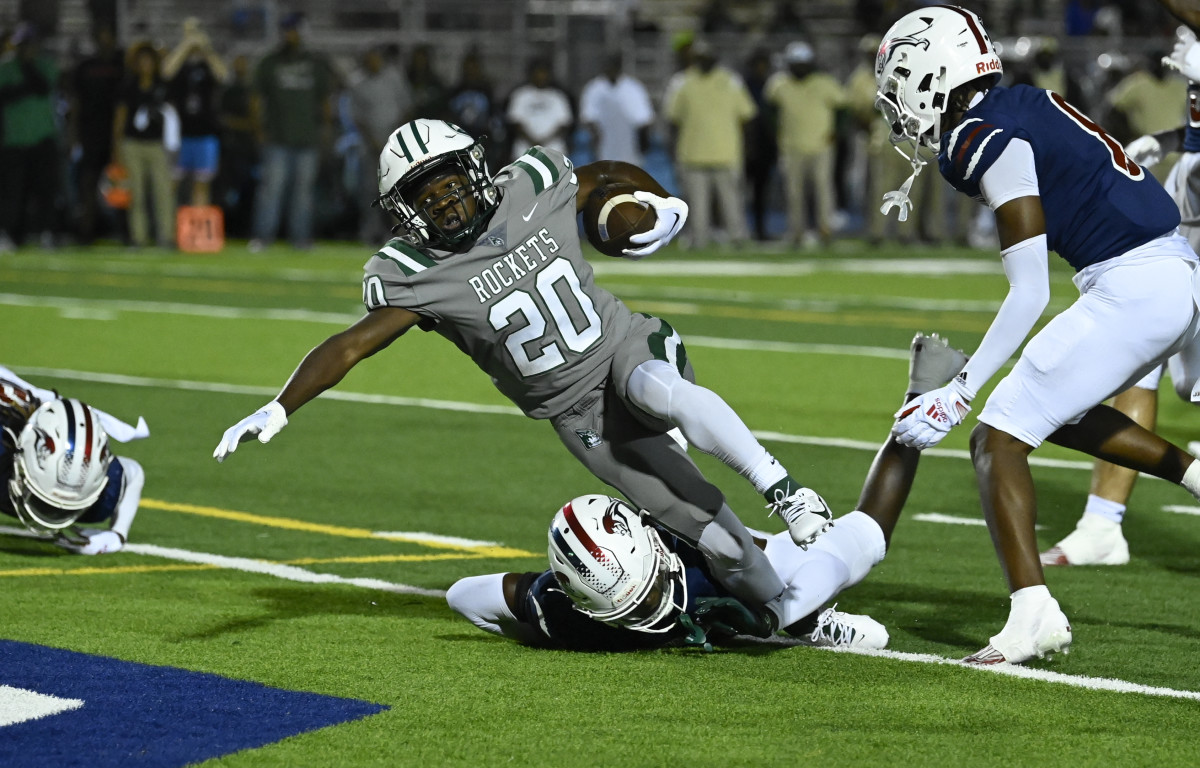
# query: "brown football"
{"type": "Point", "coordinates": [611, 214]}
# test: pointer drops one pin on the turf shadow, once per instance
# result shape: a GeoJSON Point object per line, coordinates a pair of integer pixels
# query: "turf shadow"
{"type": "Point", "coordinates": [281, 604]}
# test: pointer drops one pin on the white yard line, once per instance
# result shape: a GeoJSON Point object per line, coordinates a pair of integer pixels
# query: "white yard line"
{"type": "Point", "coordinates": [938, 517]}
{"type": "Point", "coordinates": [421, 537]}
{"type": "Point", "coordinates": [735, 268]}
{"type": "Point", "coordinates": [71, 305]}
{"type": "Point", "coordinates": [106, 309]}
{"type": "Point", "coordinates": [264, 567]}
{"type": "Point", "coordinates": [1029, 673]}
{"type": "Point", "coordinates": [1180, 510]}
{"type": "Point", "coordinates": [453, 405]}
{"type": "Point", "coordinates": [278, 570]}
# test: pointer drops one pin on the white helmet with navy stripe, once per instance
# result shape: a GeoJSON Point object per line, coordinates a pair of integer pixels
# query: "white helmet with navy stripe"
{"type": "Point", "coordinates": [60, 466]}
{"type": "Point", "coordinates": [923, 57]}
{"type": "Point", "coordinates": [614, 567]}
{"type": "Point", "coordinates": [419, 150]}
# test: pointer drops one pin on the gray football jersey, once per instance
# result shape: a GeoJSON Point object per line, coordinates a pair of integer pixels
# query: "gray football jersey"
{"type": "Point", "coordinates": [522, 302]}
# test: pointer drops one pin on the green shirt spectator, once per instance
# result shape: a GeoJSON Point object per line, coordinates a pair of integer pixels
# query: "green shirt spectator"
{"type": "Point", "coordinates": [293, 85]}
{"type": "Point", "coordinates": [26, 99]}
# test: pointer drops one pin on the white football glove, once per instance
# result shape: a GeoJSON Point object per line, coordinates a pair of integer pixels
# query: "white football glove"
{"type": "Point", "coordinates": [91, 541]}
{"type": "Point", "coordinates": [1185, 59]}
{"type": "Point", "coordinates": [265, 422]}
{"type": "Point", "coordinates": [925, 420]}
{"type": "Point", "coordinates": [672, 213]}
{"type": "Point", "coordinates": [1144, 150]}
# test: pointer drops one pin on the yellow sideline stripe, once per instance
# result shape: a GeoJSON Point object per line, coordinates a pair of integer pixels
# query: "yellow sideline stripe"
{"type": "Point", "coordinates": [122, 569]}
{"type": "Point", "coordinates": [390, 558]}
{"type": "Point", "coordinates": [99, 570]}
{"type": "Point", "coordinates": [328, 530]}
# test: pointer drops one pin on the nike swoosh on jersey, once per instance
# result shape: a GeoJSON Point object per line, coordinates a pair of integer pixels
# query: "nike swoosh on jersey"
{"type": "Point", "coordinates": [529, 215]}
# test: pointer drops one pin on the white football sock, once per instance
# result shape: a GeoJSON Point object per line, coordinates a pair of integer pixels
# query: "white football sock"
{"type": "Point", "coordinates": [766, 472]}
{"type": "Point", "coordinates": [1191, 478]}
{"type": "Point", "coordinates": [1106, 508]}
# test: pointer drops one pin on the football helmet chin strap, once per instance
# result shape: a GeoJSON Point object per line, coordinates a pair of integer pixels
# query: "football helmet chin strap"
{"type": "Point", "coordinates": [898, 198]}
{"type": "Point", "coordinates": [906, 129]}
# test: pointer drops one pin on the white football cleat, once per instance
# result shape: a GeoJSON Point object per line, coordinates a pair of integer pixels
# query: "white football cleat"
{"type": "Point", "coordinates": [932, 363]}
{"type": "Point", "coordinates": [805, 512]}
{"type": "Point", "coordinates": [846, 630]}
{"type": "Point", "coordinates": [1096, 540]}
{"type": "Point", "coordinates": [1047, 633]}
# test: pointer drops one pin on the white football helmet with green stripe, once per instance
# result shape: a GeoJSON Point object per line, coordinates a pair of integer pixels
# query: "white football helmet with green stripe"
{"type": "Point", "coordinates": [419, 150]}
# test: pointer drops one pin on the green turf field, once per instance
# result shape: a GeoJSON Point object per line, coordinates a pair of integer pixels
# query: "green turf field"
{"type": "Point", "coordinates": [811, 349]}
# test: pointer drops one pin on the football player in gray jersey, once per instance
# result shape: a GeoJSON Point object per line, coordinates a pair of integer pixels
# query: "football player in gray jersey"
{"type": "Point", "coordinates": [495, 265]}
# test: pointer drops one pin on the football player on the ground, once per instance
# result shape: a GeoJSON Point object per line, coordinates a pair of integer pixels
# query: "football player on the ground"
{"type": "Point", "coordinates": [1056, 181]}
{"type": "Point", "coordinates": [61, 480]}
{"type": "Point", "coordinates": [495, 265]}
{"type": "Point", "coordinates": [1098, 538]}
{"type": "Point", "coordinates": [616, 584]}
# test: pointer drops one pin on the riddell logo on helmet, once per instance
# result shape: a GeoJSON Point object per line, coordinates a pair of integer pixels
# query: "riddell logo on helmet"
{"type": "Point", "coordinates": [983, 67]}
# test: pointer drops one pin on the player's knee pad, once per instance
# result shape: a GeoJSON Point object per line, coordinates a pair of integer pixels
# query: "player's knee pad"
{"type": "Point", "coordinates": [1186, 379]}
{"type": "Point", "coordinates": [855, 540]}
{"type": "Point", "coordinates": [657, 388]}
{"type": "Point", "coordinates": [651, 387]}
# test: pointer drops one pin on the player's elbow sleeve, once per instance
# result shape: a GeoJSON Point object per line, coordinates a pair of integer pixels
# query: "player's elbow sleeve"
{"type": "Point", "coordinates": [480, 600]}
{"type": "Point", "coordinates": [135, 476]}
{"type": "Point", "coordinates": [1026, 264]}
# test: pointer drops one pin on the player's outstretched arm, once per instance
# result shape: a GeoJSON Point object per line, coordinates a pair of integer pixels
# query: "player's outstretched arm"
{"type": "Point", "coordinates": [93, 541]}
{"type": "Point", "coordinates": [932, 363]}
{"type": "Point", "coordinates": [322, 368]}
{"type": "Point", "coordinates": [1020, 224]}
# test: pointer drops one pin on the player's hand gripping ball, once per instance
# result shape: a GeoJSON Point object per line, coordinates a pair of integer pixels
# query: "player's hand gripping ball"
{"type": "Point", "coordinates": [612, 215]}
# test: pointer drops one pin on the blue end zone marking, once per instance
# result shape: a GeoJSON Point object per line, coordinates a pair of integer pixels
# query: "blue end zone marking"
{"type": "Point", "coordinates": [135, 714]}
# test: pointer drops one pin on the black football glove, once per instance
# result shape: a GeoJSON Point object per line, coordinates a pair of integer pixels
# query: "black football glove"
{"type": "Point", "coordinates": [728, 616]}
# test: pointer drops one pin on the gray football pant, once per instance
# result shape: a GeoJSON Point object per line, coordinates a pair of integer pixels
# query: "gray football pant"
{"type": "Point", "coordinates": [655, 473]}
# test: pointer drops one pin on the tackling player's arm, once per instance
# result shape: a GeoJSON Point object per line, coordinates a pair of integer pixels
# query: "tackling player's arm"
{"type": "Point", "coordinates": [1010, 188]}
{"type": "Point", "coordinates": [1021, 226]}
{"type": "Point", "coordinates": [492, 602]}
{"type": "Point", "coordinates": [322, 368]}
{"type": "Point", "coordinates": [1149, 149]}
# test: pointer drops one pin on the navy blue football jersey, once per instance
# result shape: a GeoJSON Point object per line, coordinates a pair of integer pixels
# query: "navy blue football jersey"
{"type": "Point", "coordinates": [1098, 203]}
{"type": "Point", "coordinates": [543, 607]}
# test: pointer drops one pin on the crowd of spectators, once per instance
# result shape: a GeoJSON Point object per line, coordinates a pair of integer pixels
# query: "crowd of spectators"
{"type": "Point", "coordinates": [776, 145]}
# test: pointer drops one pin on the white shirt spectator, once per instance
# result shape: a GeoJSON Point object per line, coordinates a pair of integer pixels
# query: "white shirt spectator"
{"type": "Point", "coordinates": [617, 111]}
{"type": "Point", "coordinates": [543, 115]}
